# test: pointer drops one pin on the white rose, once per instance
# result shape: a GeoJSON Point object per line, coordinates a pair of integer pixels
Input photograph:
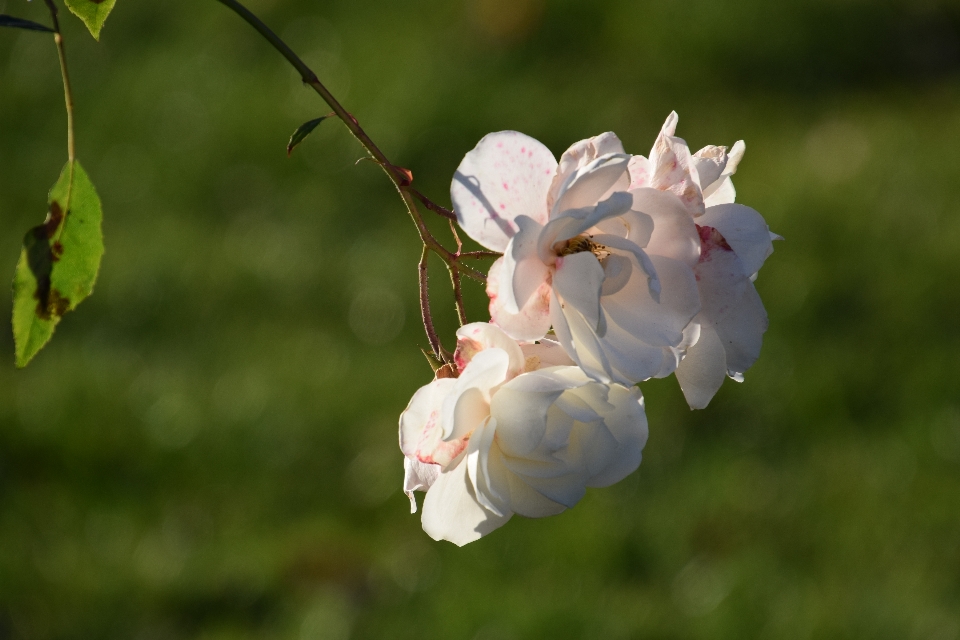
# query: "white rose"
{"type": "Point", "coordinates": [611, 270]}
{"type": "Point", "coordinates": [508, 437]}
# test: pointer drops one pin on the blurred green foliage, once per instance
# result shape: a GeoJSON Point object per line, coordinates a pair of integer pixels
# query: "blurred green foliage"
{"type": "Point", "coordinates": [207, 449]}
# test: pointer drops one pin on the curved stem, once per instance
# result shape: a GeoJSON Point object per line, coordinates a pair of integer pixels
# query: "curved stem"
{"type": "Point", "coordinates": [67, 91]}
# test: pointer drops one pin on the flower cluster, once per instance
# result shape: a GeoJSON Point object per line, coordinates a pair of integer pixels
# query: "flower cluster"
{"type": "Point", "coordinates": [615, 269]}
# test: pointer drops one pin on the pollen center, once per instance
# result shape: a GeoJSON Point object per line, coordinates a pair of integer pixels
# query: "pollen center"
{"type": "Point", "coordinates": [581, 244]}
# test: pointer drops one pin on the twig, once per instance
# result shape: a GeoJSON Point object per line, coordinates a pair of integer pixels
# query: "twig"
{"type": "Point", "coordinates": [433, 206]}
{"type": "Point", "coordinates": [456, 237]}
{"type": "Point", "coordinates": [479, 255]}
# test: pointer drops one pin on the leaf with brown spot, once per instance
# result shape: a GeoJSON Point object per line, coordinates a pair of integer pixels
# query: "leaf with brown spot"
{"type": "Point", "coordinates": [59, 262]}
{"type": "Point", "coordinates": [93, 13]}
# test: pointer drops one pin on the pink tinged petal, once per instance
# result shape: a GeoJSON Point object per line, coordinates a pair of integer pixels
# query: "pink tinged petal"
{"type": "Point", "coordinates": [745, 231]}
{"type": "Point", "coordinates": [451, 511]}
{"type": "Point", "coordinates": [475, 337]}
{"type": "Point", "coordinates": [702, 370]}
{"type": "Point", "coordinates": [674, 232]}
{"type": "Point", "coordinates": [657, 324]}
{"type": "Point", "coordinates": [418, 476]}
{"type": "Point", "coordinates": [731, 305]}
{"type": "Point", "coordinates": [580, 155]}
{"type": "Point", "coordinates": [579, 341]}
{"type": "Point", "coordinates": [673, 169]}
{"type": "Point", "coordinates": [507, 175]}
{"type": "Point", "coordinates": [523, 260]}
{"type": "Point", "coordinates": [577, 281]}
{"type": "Point", "coordinates": [640, 172]}
{"type": "Point", "coordinates": [533, 321]}
{"type": "Point", "coordinates": [468, 403]}
{"type": "Point", "coordinates": [420, 423]}
{"type": "Point", "coordinates": [593, 183]}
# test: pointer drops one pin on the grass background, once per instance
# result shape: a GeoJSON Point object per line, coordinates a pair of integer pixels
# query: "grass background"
{"type": "Point", "coordinates": [207, 449]}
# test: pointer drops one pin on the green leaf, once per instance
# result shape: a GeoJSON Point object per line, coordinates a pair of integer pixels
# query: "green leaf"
{"type": "Point", "coordinates": [59, 262]}
{"type": "Point", "coordinates": [20, 23]}
{"type": "Point", "coordinates": [303, 131]}
{"type": "Point", "coordinates": [93, 13]}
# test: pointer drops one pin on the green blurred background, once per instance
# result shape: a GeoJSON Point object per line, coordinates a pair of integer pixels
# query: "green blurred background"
{"type": "Point", "coordinates": [207, 448]}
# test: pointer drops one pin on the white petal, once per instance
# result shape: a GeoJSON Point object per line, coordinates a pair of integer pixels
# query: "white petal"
{"type": "Point", "coordinates": [451, 511]}
{"type": "Point", "coordinates": [523, 260]}
{"type": "Point", "coordinates": [418, 476]}
{"type": "Point", "coordinates": [710, 162]}
{"type": "Point", "coordinates": [741, 331]}
{"type": "Point", "coordinates": [579, 341]}
{"type": "Point", "coordinates": [631, 360]}
{"type": "Point", "coordinates": [627, 423]}
{"type": "Point", "coordinates": [594, 182]}
{"type": "Point", "coordinates": [545, 353]}
{"type": "Point", "coordinates": [703, 369]}
{"type": "Point", "coordinates": [507, 175]}
{"type": "Point", "coordinates": [674, 232]}
{"type": "Point", "coordinates": [521, 416]}
{"type": "Point", "coordinates": [478, 470]}
{"type": "Point", "coordinates": [577, 281]}
{"type": "Point", "coordinates": [745, 231]}
{"type": "Point", "coordinates": [722, 190]}
{"type": "Point", "coordinates": [639, 256]}
{"type": "Point", "coordinates": [578, 156]}
{"type": "Point", "coordinates": [656, 324]}
{"type": "Point", "coordinates": [533, 321]}
{"type": "Point", "coordinates": [523, 498]}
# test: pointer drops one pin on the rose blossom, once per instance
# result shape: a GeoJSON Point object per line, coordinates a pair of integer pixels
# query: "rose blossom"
{"type": "Point", "coordinates": [610, 269]}
{"type": "Point", "coordinates": [516, 432]}
{"type": "Point", "coordinates": [734, 242]}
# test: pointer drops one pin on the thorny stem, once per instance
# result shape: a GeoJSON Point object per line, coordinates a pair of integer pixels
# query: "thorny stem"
{"type": "Point", "coordinates": [425, 306]}
{"type": "Point", "coordinates": [68, 100]}
{"type": "Point", "coordinates": [400, 177]}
